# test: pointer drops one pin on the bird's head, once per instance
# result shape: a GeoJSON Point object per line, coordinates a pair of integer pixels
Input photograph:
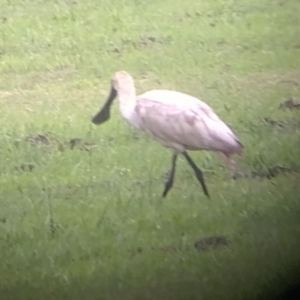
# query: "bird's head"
{"type": "Point", "coordinates": [121, 82]}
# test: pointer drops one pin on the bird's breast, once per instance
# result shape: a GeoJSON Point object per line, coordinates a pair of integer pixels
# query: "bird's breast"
{"type": "Point", "coordinates": [130, 114]}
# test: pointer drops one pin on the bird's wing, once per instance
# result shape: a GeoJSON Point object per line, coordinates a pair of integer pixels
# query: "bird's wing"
{"type": "Point", "coordinates": [219, 131]}
{"type": "Point", "coordinates": [185, 125]}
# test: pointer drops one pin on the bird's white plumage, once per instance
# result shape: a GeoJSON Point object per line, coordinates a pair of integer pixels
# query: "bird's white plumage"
{"type": "Point", "coordinates": [182, 122]}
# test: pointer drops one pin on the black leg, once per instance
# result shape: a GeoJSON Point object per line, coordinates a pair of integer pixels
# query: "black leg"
{"type": "Point", "coordinates": [197, 171]}
{"type": "Point", "coordinates": [170, 180]}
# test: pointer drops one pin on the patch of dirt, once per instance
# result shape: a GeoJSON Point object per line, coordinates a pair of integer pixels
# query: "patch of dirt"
{"type": "Point", "coordinates": [289, 104]}
{"type": "Point", "coordinates": [77, 142]}
{"type": "Point", "coordinates": [146, 41]}
{"type": "Point", "coordinates": [37, 138]}
{"type": "Point", "coordinates": [270, 173]}
{"type": "Point", "coordinates": [54, 227]}
{"type": "Point", "coordinates": [211, 242]}
{"type": "Point", "coordinates": [268, 78]}
{"type": "Point", "coordinates": [136, 251]}
{"type": "Point", "coordinates": [113, 48]}
{"type": "Point", "coordinates": [49, 139]}
{"type": "Point", "coordinates": [165, 249]}
{"type": "Point", "coordinates": [280, 124]}
{"type": "Point", "coordinates": [196, 14]}
{"type": "Point", "coordinates": [25, 167]}
{"type": "Point", "coordinates": [283, 125]}
{"type": "Point", "coordinates": [205, 244]}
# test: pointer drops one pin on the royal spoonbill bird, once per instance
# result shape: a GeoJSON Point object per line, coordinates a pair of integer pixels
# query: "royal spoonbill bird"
{"type": "Point", "coordinates": [176, 120]}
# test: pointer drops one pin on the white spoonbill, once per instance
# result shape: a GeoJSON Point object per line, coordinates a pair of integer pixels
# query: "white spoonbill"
{"type": "Point", "coordinates": [178, 121]}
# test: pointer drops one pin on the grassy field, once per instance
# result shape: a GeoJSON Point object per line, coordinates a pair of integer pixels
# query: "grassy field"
{"type": "Point", "coordinates": [81, 215]}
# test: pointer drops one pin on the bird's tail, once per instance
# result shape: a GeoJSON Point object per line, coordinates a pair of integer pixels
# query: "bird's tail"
{"type": "Point", "coordinates": [240, 148]}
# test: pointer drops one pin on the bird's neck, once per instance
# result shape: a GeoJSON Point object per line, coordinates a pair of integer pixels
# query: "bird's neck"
{"type": "Point", "coordinates": [127, 100]}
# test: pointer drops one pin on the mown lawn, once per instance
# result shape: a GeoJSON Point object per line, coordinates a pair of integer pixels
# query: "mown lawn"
{"type": "Point", "coordinates": [81, 213]}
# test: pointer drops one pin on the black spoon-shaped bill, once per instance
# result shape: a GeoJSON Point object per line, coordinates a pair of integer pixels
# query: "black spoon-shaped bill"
{"type": "Point", "coordinates": [104, 113]}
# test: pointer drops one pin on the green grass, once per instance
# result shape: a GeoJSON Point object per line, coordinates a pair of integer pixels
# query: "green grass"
{"type": "Point", "coordinates": [92, 224]}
